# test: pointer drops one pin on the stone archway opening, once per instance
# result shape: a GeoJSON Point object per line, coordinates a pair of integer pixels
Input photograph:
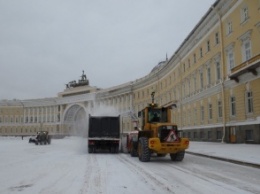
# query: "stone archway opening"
{"type": "Point", "coordinates": [75, 121]}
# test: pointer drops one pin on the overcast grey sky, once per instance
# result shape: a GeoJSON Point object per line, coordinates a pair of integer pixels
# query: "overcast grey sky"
{"type": "Point", "coordinates": [44, 44]}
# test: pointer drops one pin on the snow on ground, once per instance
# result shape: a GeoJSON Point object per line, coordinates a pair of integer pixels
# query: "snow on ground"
{"type": "Point", "coordinates": [242, 152]}
{"type": "Point", "coordinates": [65, 167]}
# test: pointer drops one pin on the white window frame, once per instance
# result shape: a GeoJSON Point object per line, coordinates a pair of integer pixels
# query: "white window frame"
{"type": "Point", "coordinates": [230, 57]}
{"type": "Point", "coordinates": [244, 15]}
{"type": "Point", "coordinates": [229, 27]}
{"type": "Point", "coordinates": [246, 48]}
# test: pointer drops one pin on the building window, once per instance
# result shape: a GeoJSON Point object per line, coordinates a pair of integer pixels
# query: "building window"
{"type": "Point", "coordinates": [202, 113]}
{"type": "Point", "coordinates": [194, 58]}
{"type": "Point", "coordinates": [195, 83]}
{"type": "Point", "coordinates": [184, 90]}
{"type": "Point", "coordinates": [231, 60]}
{"type": "Point", "coordinates": [201, 79]}
{"type": "Point", "coordinates": [195, 135]}
{"type": "Point", "coordinates": [220, 109]}
{"type": "Point", "coordinates": [218, 70]}
{"type": "Point", "coordinates": [201, 52]}
{"type": "Point", "coordinates": [209, 75]}
{"type": "Point", "coordinates": [210, 111]}
{"type": "Point", "coordinates": [209, 135]}
{"type": "Point", "coordinates": [229, 27]}
{"type": "Point", "coordinates": [249, 135]}
{"type": "Point", "coordinates": [233, 106]}
{"type": "Point", "coordinates": [189, 118]}
{"type": "Point", "coordinates": [246, 50]}
{"type": "Point", "coordinates": [201, 135]}
{"type": "Point", "coordinates": [249, 102]}
{"type": "Point", "coordinates": [195, 116]}
{"type": "Point", "coordinates": [208, 45]}
{"type": "Point", "coordinates": [244, 14]}
{"type": "Point", "coordinates": [219, 135]}
{"type": "Point", "coordinates": [217, 38]}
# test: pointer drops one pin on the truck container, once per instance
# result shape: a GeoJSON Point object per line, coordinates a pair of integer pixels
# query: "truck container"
{"type": "Point", "coordinates": [104, 133]}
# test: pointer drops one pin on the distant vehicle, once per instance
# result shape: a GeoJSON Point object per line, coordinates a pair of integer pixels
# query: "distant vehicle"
{"type": "Point", "coordinates": [104, 133]}
{"type": "Point", "coordinates": [41, 138]}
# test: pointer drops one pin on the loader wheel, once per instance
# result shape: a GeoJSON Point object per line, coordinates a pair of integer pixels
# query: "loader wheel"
{"type": "Point", "coordinates": [143, 150]}
{"type": "Point", "coordinates": [178, 156]}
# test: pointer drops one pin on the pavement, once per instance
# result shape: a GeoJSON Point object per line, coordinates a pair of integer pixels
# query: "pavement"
{"type": "Point", "coordinates": [245, 154]}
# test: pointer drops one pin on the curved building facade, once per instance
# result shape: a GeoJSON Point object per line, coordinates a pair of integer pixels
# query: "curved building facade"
{"type": "Point", "coordinates": [211, 81]}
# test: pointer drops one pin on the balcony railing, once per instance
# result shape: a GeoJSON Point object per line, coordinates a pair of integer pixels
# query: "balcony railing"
{"type": "Point", "coordinates": [247, 66]}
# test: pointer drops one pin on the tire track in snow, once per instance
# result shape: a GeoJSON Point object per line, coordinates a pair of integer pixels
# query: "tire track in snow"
{"type": "Point", "coordinates": [212, 176]}
{"type": "Point", "coordinates": [149, 177]}
{"type": "Point", "coordinates": [94, 181]}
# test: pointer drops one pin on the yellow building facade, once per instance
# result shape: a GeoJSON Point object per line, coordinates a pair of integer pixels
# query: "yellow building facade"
{"type": "Point", "coordinates": [211, 81]}
{"type": "Point", "coordinates": [213, 78]}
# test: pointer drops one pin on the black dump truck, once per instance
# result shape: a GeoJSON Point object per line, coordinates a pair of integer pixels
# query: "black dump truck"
{"type": "Point", "coordinates": [104, 134]}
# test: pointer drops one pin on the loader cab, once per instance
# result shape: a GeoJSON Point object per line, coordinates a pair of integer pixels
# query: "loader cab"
{"type": "Point", "coordinates": [157, 115]}
{"type": "Point", "coordinates": [153, 114]}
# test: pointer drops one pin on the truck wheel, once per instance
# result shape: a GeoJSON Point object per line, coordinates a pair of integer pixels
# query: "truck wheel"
{"type": "Point", "coordinates": [143, 150]}
{"type": "Point", "coordinates": [91, 149]}
{"type": "Point", "coordinates": [133, 150]}
{"type": "Point", "coordinates": [112, 149]}
{"type": "Point", "coordinates": [177, 156]}
{"type": "Point", "coordinates": [116, 149]}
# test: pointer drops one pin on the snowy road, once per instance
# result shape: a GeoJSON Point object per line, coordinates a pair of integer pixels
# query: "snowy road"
{"type": "Point", "coordinates": [65, 167]}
